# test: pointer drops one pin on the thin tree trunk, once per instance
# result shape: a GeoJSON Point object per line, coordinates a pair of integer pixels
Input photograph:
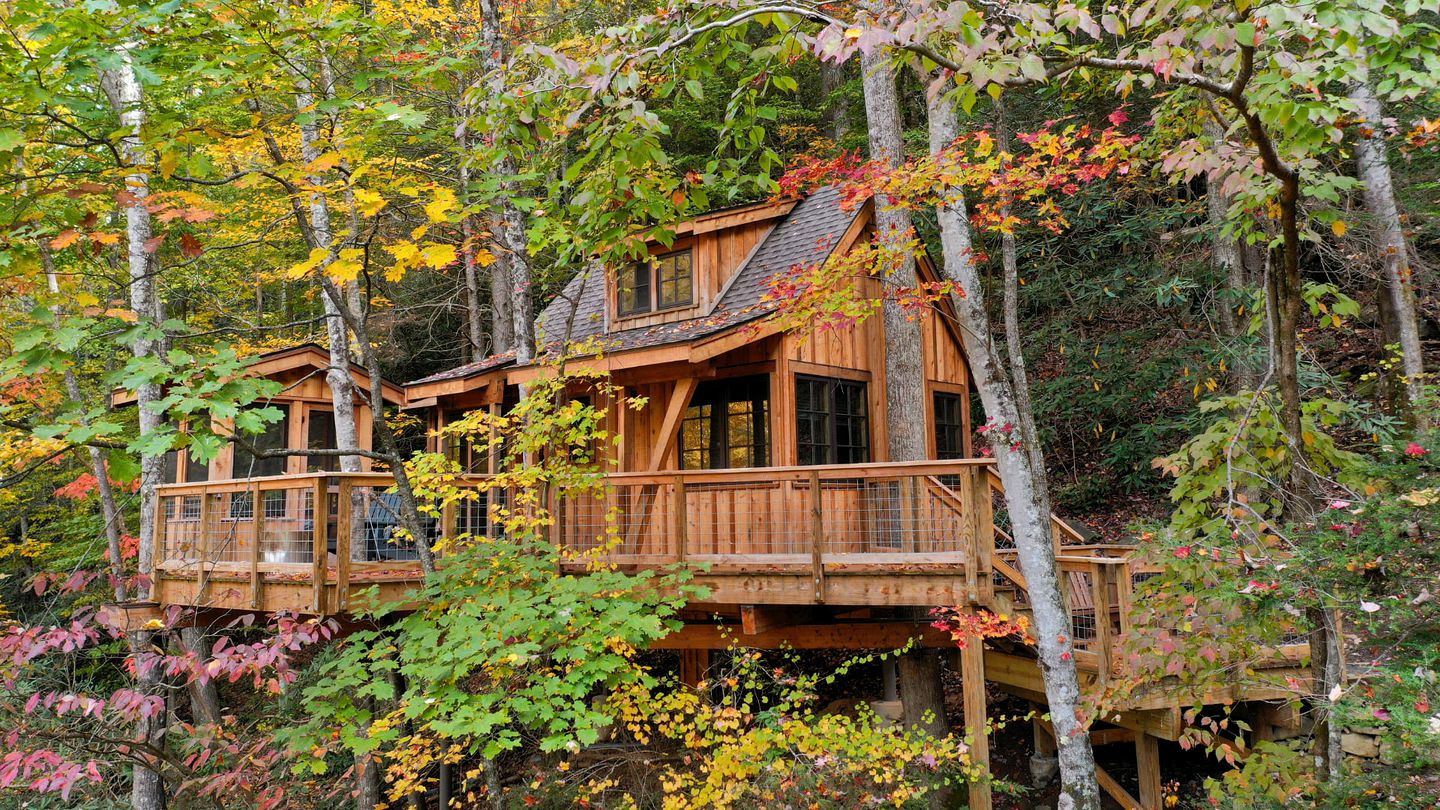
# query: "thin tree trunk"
{"type": "Point", "coordinates": [1228, 256]}
{"type": "Point", "coordinates": [474, 321]}
{"type": "Point", "coordinates": [509, 219]}
{"type": "Point", "coordinates": [109, 509]}
{"type": "Point", "coordinates": [204, 696]}
{"type": "Point", "coordinates": [122, 87]}
{"type": "Point", "coordinates": [1374, 169]}
{"type": "Point", "coordinates": [904, 372]}
{"type": "Point", "coordinates": [1027, 500]}
{"type": "Point", "coordinates": [502, 318]}
{"type": "Point", "coordinates": [837, 107]}
{"type": "Point", "coordinates": [342, 390]}
{"type": "Point", "coordinates": [1014, 349]}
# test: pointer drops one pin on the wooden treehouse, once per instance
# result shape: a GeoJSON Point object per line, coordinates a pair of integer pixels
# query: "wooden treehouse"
{"type": "Point", "coordinates": [760, 454]}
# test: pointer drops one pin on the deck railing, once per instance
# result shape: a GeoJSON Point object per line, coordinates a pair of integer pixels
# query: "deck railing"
{"type": "Point", "coordinates": [337, 530]}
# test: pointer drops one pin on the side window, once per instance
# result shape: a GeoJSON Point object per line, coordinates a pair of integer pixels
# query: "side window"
{"type": "Point", "coordinates": [832, 421]}
{"type": "Point", "coordinates": [660, 282]}
{"type": "Point", "coordinates": [949, 426]}
{"type": "Point", "coordinates": [320, 435]}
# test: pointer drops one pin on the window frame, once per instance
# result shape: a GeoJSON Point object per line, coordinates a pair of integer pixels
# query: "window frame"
{"type": "Point", "coordinates": [652, 268]}
{"type": "Point", "coordinates": [954, 430]}
{"type": "Point", "coordinates": [718, 396]}
{"type": "Point", "coordinates": [832, 423]}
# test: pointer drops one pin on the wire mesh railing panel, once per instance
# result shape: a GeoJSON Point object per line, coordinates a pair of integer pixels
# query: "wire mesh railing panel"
{"type": "Point", "coordinates": [377, 530]}
{"type": "Point", "coordinates": [287, 525]}
{"type": "Point", "coordinates": [759, 518]}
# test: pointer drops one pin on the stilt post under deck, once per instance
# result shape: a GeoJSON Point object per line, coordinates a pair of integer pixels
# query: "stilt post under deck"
{"type": "Point", "coordinates": [977, 727]}
{"type": "Point", "coordinates": [1147, 762]}
{"type": "Point", "coordinates": [693, 664]}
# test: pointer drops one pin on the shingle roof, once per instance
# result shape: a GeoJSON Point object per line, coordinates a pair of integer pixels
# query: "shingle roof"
{"type": "Point", "coordinates": [806, 235]}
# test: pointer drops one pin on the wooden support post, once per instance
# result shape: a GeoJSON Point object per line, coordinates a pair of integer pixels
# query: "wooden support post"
{"type": "Point", "coordinates": [1147, 762]}
{"type": "Point", "coordinates": [1104, 636]}
{"type": "Point", "coordinates": [344, 538]}
{"type": "Point", "coordinates": [680, 518]}
{"type": "Point", "coordinates": [160, 551]}
{"type": "Point", "coordinates": [319, 515]}
{"type": "Point", "coordinates": [977, 722]}
{"type": "Point", "coordinates": [984, 529]}
{"type": "Point", "coordinates": [693, 665]}
{"type": "Point", "coordinates": [202, 549]}
{"type": "Point", "coordinates": [817, 536]}
{"type": "Point", "coordinates": [258, 499]}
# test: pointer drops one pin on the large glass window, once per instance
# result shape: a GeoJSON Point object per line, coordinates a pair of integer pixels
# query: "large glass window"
{"type": "Point", "coordinates": [832, 421]}
{"type": "Point", "coordinates": [949, 426]}
{"type": "Point", "coordinates": [660, 282]}
{"type": "Point", "coordinates": [272, 437]}
{"type": "Point", "coordinates": [725, 425]}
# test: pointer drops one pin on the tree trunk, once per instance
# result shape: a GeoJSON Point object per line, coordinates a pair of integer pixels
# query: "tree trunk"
{"type": "Point", "coordinates": [126, 97]}
{"type": "Point", "coordinates": [1014, 349]}
{"type": "Point", "coordinates": [1373, 166]}
{"type": "Point", "coordinates": [1228, 256]}
{"type": "Point", "coordinates": [502, 319]}
{"type": "Point", "coordinates": [338, 377]}
{"type": "Point", "coordinates": [923, 692]}
{"type": "Point", "coordinates": [109, 509]}
{"type": "Point", "coordinates": [204, 697]}
{"type": "Point", "coordinates": [1027, 500]}
{"type": "Point", "coordinates": [837, 107]}
{"type": "Point", "coordinates": [509, 221]}
{"type": "Point", "coordinates": [904, 371]}
{"type": "Point", "coordinates": [474, 320]}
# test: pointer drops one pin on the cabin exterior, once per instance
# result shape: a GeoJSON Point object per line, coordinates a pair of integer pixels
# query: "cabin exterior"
{"type": "Point", "coordinates": [693, 332]}
{"type": "Point", "coordinates": [762, 455]}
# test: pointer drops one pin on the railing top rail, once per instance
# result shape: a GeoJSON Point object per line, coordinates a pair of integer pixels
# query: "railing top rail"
{"type": "Point", "coordinates": [264, 481]}
{"type": "Point", "coordinates": [826, 472]}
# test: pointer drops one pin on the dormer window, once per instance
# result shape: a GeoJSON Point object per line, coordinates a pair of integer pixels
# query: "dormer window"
{"type": "Point", "coordinates": [660, 282]}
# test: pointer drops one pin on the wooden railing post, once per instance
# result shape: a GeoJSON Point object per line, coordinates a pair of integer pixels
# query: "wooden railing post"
{"type": "Point", "coordinates": [1100, 596]}
{"type": "Point", "coordinates": [160, 543]}
{"type": "Point", "coordinates": [344, 538]}
{"type": "Point", "coordinates": [257, 499]}
{"type": "Point", "coordinates": [983, 521]}
{"type": "Point", "coordinates": [910, 539]}
{"type": "Point", "coordinates": [202, 548]}
{"type": "Point", "coordinates": [321, 515]}
{"type": "Point", "coordinates": [680, 518]}
{"type": "Point", "coordinates": [817, 536]}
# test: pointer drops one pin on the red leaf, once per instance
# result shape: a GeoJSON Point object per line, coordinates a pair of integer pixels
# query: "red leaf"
{"type": "Point", "coordinates": [190, 246]}
{"type": "Point", "coordinates": [153, 243]}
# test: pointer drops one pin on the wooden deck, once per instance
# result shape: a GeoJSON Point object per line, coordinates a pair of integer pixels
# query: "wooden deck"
{"type": "Point", "coordinates": [918, 534]}
{"type": "Point", "coordinates": [821, 557]}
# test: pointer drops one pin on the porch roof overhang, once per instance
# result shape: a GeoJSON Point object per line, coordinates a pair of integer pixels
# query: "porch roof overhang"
{"type": "Point", "coordinates": [280, 361]}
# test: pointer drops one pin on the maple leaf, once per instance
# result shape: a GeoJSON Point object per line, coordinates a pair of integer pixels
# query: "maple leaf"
{"type": "Point", "coordinates": [190, 246]}
{"type": "Point", "coordinates": [65, 239]}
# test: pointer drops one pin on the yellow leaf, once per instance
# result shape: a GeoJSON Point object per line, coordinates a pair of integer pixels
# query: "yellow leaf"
{"type": "Point", "coordinates": [853, 33]}
{"type": "Point", "coordinates": [369, 202]}
{"type": "Point", "coordinates": [85, 299]}
{"type": "Point", "coordinates": [308, 266]}
{"type": "Point", "coordinates": [438, 256]}
{"type": "Point", "coordinates": [324, 163]}
{"type": "Point", "coordinates": [102, 238]}
{"type": "Point", "coordinates": [438, 209]}
{"type": "Point", "coordinates": [484, 258]}
{"type": "Point", "coordinates": [168, 162]}
{"type": "Point", "coordinates": [346, 266]}
{"type": "Point", "coordinates": [1339, 227]}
